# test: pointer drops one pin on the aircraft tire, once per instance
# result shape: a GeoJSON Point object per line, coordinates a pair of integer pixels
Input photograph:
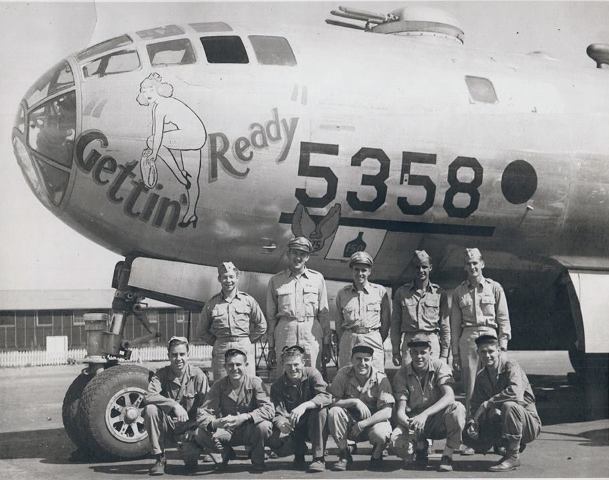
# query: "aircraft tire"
{"type": "Point", "coordinates": [111, 415]}
{"type": "Point", "coordinates": [69, 412]}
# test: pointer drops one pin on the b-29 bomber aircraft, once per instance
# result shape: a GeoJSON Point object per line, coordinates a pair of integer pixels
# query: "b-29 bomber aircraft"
{"type": "Point", "coordinates": [182, 146]}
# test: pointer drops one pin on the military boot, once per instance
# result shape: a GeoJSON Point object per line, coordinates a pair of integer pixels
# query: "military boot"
{"type": "Point", "coordinates": [511, 460]}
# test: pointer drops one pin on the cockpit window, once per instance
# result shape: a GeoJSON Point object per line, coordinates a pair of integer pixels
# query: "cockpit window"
{"type": "Point", "coordinates": [209, 27]}
{"type": "Point", "coordinates": [52, 128]}
{"type": "Point", "coordinates": [481, 89]}
{"type": "Point", "coordinates": [160, 32]}
{"type": "Point", "coordinates": [56, 79]}
{"type": "Point", "coordinates": [104, 46]}
{"type": "Point", "coordinates": [272, 50]}
{"type": "Point", "coordinates": [225, 49]}
{"type": "Point", "coordinates": [172, 52]}
{"type": "Point", "coordinates": [116, 62]}
{"type": "Point", "coordinates": [20, 120]}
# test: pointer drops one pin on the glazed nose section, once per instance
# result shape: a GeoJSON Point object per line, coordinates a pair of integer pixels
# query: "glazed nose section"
{"type": "Point", "coordinates": [44, 134]}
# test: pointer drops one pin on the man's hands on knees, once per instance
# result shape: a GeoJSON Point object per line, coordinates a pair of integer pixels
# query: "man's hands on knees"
{"type": "Point", "coordinates": [362, 409]}
{"type": "Point", "coordinates": [180, 413]}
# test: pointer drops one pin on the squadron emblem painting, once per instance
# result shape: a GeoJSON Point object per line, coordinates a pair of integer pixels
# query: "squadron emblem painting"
{"type": "Point", "coordinates": [389, 247]}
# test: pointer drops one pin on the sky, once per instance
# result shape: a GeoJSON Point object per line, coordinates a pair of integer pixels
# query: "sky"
{"type": "Point", "coordinates": [38, 251]}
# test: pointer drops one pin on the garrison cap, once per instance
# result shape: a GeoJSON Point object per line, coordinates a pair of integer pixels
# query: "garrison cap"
{"type": "Point", "coordinates": [422, 256]}
{"type": "Point", "coordinates": [234, 351]}
{"type": "Point", "coordinates": [177, 341]}
{"type": "Point", "coordinates": [472, 254]}
{"type": "Point", "coordinates": [361, 257]}
{"type": "Point", "coordinates": [292, 350]}
{"type": "Point", "coordinates": [420, 339]}
{"type": "Point", "coordinates": [300, 243]}
{"type": "Point", "coordinates": [226, 267]}
{"type": "Point", "coordinates": [486, 339]}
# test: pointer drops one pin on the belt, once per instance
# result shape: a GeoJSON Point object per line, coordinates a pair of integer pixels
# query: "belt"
{"type": "Point", "coordinates": [362, 330]}
{"type": "Point", "coordinates": [413, 332]}
{"type": "Point", "coordinates": [233, 338]}
{"type": "Point", "coordinates": [483, 325]}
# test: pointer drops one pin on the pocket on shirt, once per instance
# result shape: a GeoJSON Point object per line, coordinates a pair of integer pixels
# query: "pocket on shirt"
{"type": "Point", "coordinates": [349, 314]}
{"type": "Point", "coordinates": [431, 308]}
{"type": "Point", "coordinates": [284, 301]}
{"type": "Point", "coordinates": [487, 305]}
{"type": "Point", "coordinates": [242, 313]}
{"type": "Point", "coordinates": [311, 300]}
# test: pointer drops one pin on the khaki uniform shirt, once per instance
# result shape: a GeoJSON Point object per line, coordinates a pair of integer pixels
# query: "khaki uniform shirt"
{"type": "Point", "coordinates": [286, 396]}
{"type": "Point", "coordinates": [223, 400]}
{"type": "Point", "coordinates": [239, 317]}
{"type": "Point", "coordinates": [421, 392]}
{"type": "Point", "coordinates": [297, 297]}
{"type": "Point", "coordinates": [510, 385]}
{"type": "Point", "coordinates": [415, 310]}
{"type": "Point", "coordinates": [164, 389]}
{"type": "Point", "coordinates": [376, 391]}
{"type": "Point", "coordinates": [368, 308]}
{"type": "Point", "coordinates": [482, 305]}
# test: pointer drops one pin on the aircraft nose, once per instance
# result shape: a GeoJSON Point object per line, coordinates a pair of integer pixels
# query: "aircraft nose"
{"type": "Point", "coordinates": [44, 134]}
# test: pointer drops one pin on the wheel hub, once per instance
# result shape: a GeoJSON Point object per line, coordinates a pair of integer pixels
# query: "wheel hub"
{"type": "Point", "coordinates": [124, 417]}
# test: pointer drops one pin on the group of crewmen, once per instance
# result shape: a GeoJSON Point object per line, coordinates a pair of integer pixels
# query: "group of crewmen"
{"type": "Point", "coordinates": [402, 416]}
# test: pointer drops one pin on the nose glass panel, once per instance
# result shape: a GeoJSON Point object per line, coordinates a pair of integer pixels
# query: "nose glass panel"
{"type": "Point", "coordinates": [52, 129]}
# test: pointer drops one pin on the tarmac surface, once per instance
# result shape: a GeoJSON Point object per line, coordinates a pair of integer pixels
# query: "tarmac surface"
{"type": "Point", "coordinates": [574, 441]}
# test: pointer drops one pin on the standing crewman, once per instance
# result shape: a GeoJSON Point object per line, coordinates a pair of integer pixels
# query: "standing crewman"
{"type": "Point", "coordinates": [231, 319]}
{"type": "Point", "coordinates": [364, 313]}
{"type": "Point", "coordinates": [503, 412]}
{"type": "Point", "coordinates": [297, 308]}
{"type": "Point", "coordinates": [300, 397]}
{"type": "Point", "coordinates": [479, 307]}
{"type": "Point", "coordinates": [420, 306]}
{"type": "Point", "coordinates": [170, 406]}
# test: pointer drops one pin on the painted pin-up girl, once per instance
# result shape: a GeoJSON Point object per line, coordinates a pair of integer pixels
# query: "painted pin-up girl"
{"type": "Point", "coordinates": [178, 135]}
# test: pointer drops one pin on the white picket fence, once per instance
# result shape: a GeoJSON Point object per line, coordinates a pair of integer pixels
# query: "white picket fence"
{"type": "Point", "coordinates": [198, 353]}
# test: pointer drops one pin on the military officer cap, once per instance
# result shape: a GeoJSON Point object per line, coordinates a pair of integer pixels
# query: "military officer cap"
{"type": "Point", "coordinates": [363, 258]}
{"type": "Point", "coordinates": [300, 243]}
{"type": "Point", "coordinates": [472, 254]}
{"type": "Point", "coordinates": [234, 351]}
{"type": "Point", "coordinates": [226, 267]}
{"type": "Point", "coordinates": [360, 347]}
{"type": "Point", "coordinates": [422, 256]}
{"type": "Point", "coordinates": [292, 350]}
{"type": "Point", "coordinates": [487, 339]}
{"type": "Point", "coordinates": [420, 339]}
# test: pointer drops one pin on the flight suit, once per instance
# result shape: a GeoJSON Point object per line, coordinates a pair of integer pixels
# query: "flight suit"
{"type": "Point", "coordinates": [415, 311]}
{"type": "Point", "coordinates": [286, 396]}
{"type": "Point", "coordinates": [235, 323]}
{"type": "Point", "coordinates": [221, 401]}
{"type": "Point", "coordinates": [477, 310]}
{"type": "Point", "coordinates": [297, 313]}
{"type": "Point", "coordinates": [164, 391]}
{"type": "Point", "coordinates": [364, 316]}
{"type": "Point", "coordinates": [511, 416]}
{"type": "Point", "coordinates": [376, 393]}
{"type": "Point", "coordinates": [420, 394]}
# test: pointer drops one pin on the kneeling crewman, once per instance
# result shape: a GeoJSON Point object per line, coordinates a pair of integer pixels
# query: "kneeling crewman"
{"type": "Point", "coordinates": [300, 398]}
{"type": "Point", "coordinates": [503, 407]}
{"type": "Point", "coordinates": [236, 411]}
{"type": "Point", "coordinates": [174, 394]}
{"type": "Point", "coordinates": [362, 407]}
{"type": "Point", "coordinates": [426, 406]}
